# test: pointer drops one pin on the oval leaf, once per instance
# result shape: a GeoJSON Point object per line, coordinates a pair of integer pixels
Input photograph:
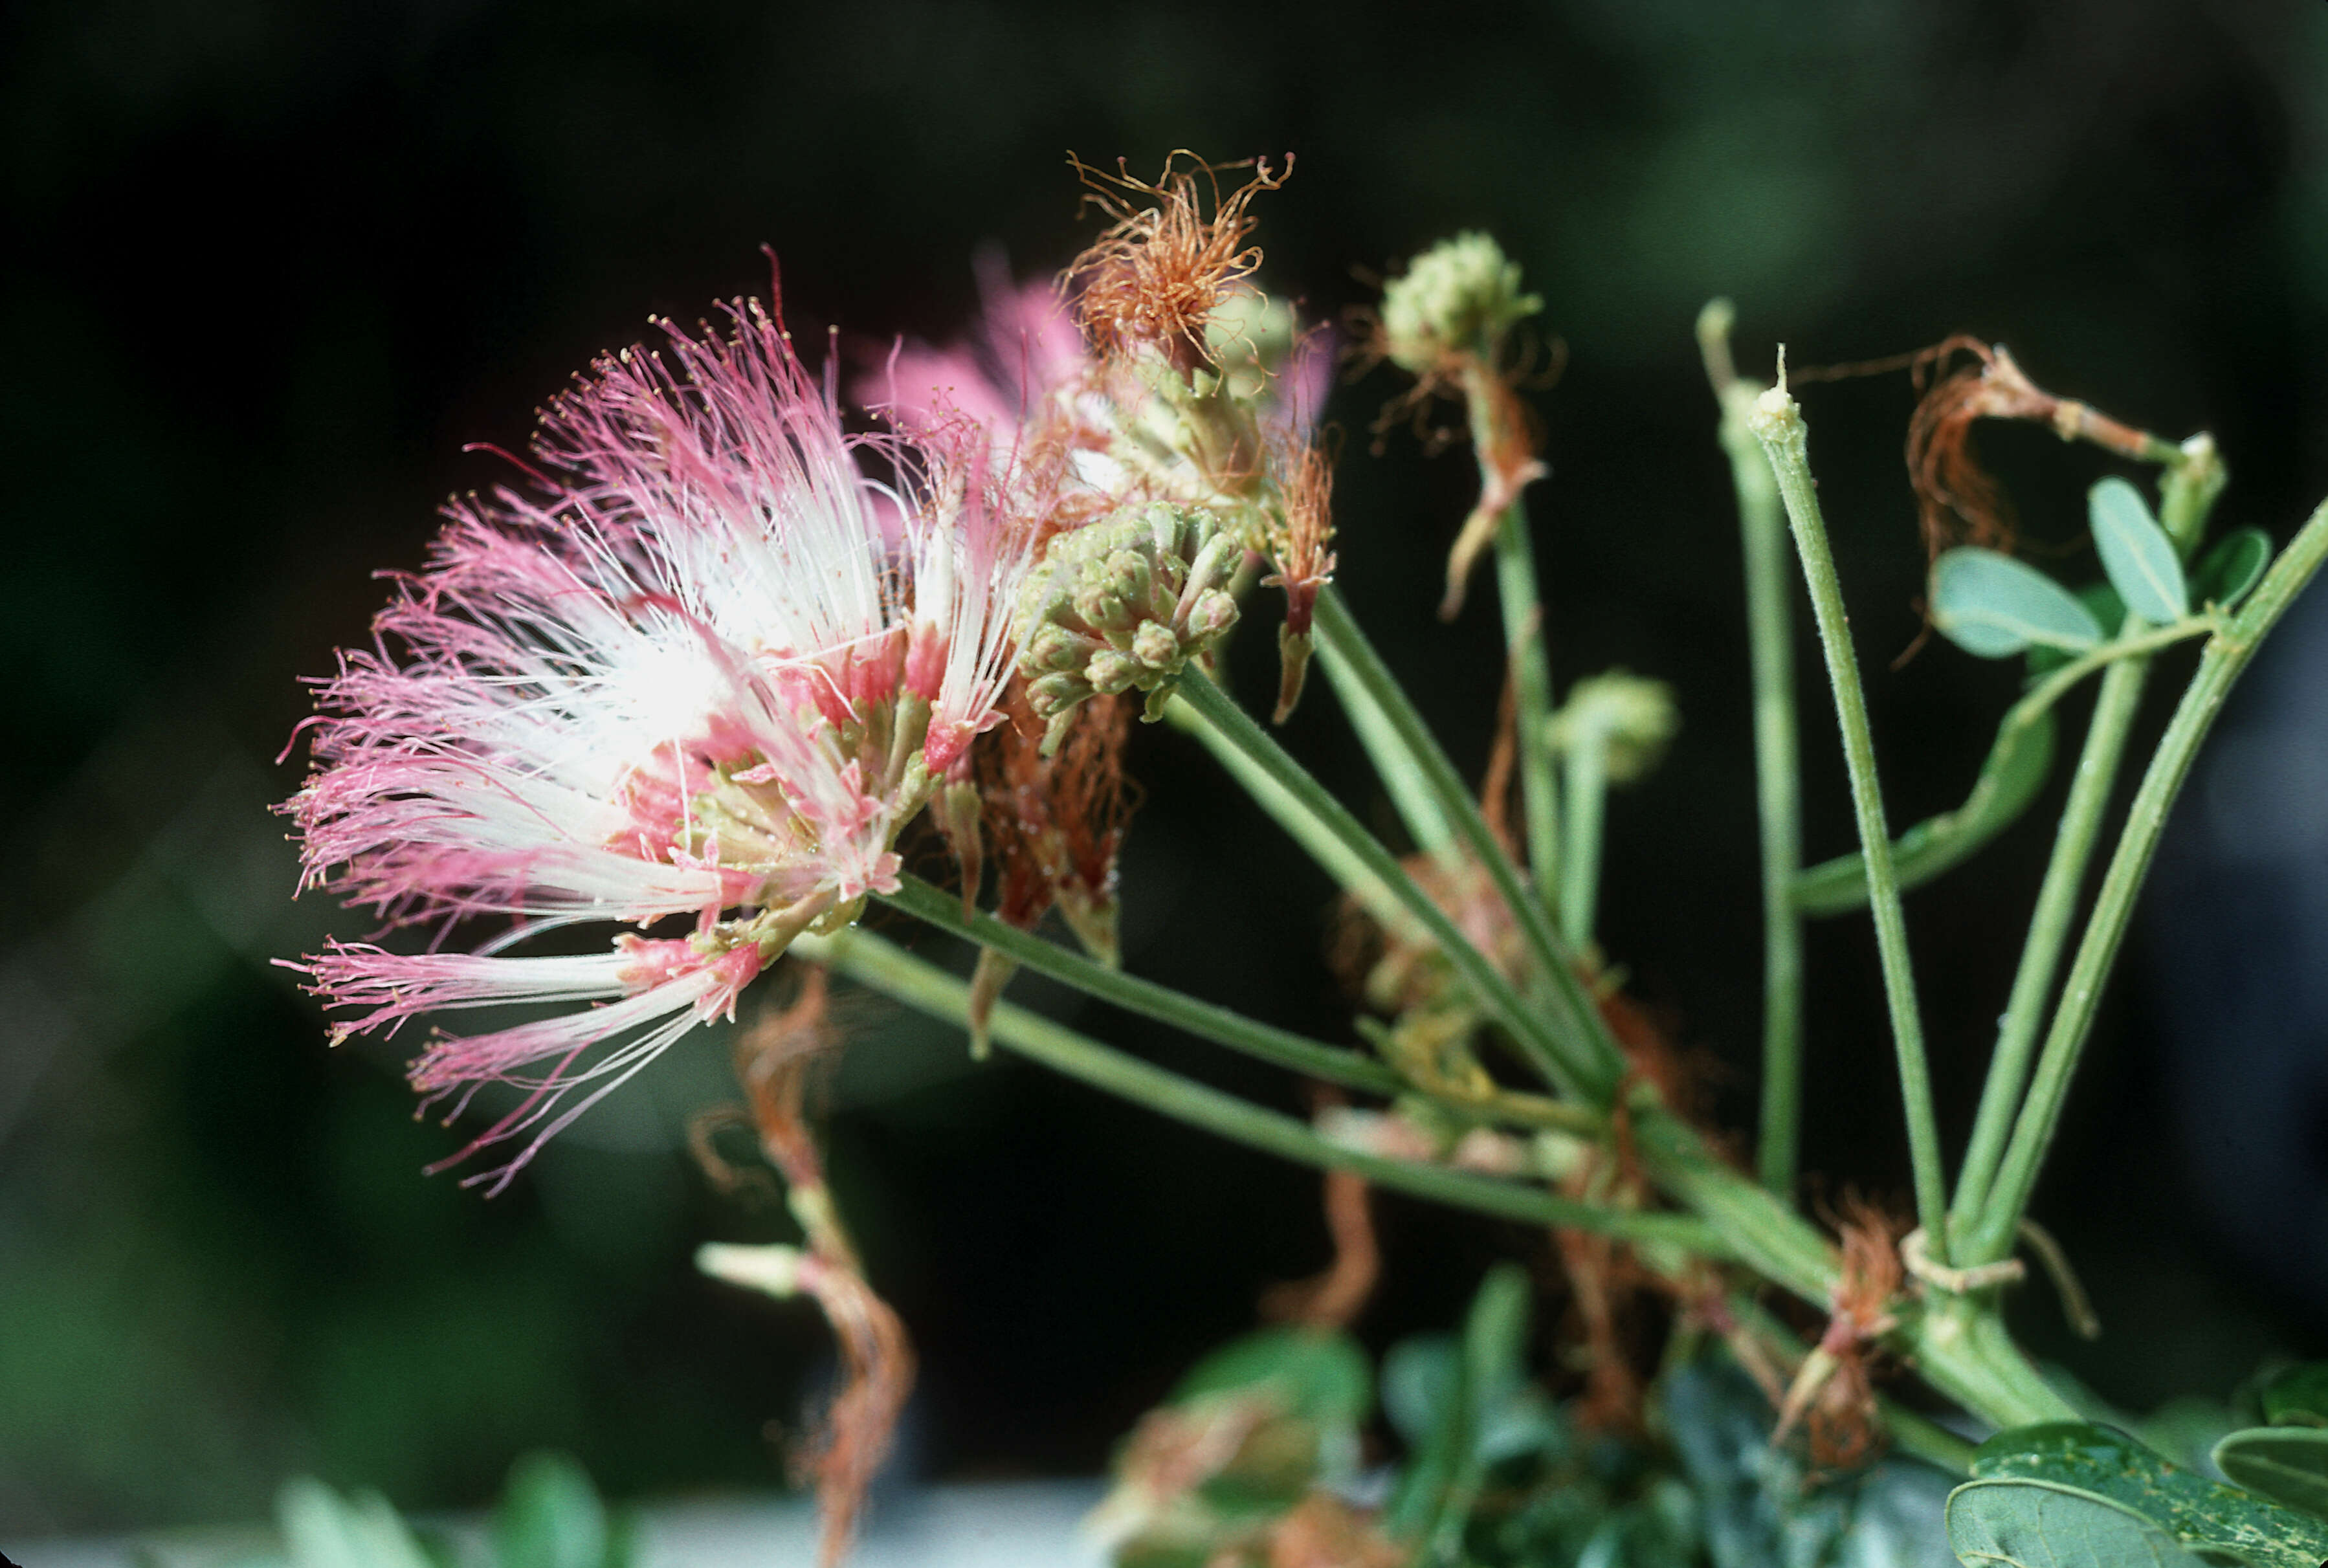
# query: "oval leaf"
{"type": "Point", "coordinates": [2136, 553]}
{"type": "Point", "coordinates": [2233, 566]}
{"type": "Point", "coordinates": [2021, 1524]}
{"type": "Point", "coordinates": [2204, 1516]}
{"type": "Point", "coordinates": [1992, 606]}
{"type": "Point", "coordinates": [2287, 1464]}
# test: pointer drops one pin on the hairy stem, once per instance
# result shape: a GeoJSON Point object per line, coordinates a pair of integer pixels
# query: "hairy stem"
{"type": "Point", "coordinates": [1302, 825]}
{"type": "Point", "coordinates": [1556, 1054]}
{"type": "Point", "coordinates": [1529, 669]}
{"type": "Point", "coordinates": [1778, 422]}
{"type": "Point", "coordinates": [1569, 1014]}
{"type": "Point", "coordinates": [1586, 787]}
{"type": "Point", "coordinates": [1207, 1020]}
{"type": "Point", "coordinates": [1778, 762]}
{"type": "Point", "coordinates": [2048, 929]}
{"type": "Point", "coordinates": [2226, 655]}
{"type": "Point", "coordinates": [1410, 791]}
{"type": "Point", "coordinates": [890, 969]}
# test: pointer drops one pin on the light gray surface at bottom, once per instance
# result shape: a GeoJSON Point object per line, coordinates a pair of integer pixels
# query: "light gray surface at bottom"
{"type": "Point", "coordinates": [996, 1524]}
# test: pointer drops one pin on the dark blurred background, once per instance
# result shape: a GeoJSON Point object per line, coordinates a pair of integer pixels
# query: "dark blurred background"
{"type": "Point", "coordinates": [269, 266]}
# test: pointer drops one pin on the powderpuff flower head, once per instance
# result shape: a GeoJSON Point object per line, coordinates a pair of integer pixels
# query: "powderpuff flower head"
{"type": "Point", "coordinates": [704, 666]}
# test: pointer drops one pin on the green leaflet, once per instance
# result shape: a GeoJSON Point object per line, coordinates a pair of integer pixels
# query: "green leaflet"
{"type": "Point", "coordinates": [322, 1529]}
{"type": "Point", "coordinates": [1464, 1403]}
{"type": "Point", "coordinates": [2016, 767]}
{"type": "Point", "coordinates": [2204, 1516]}
{"type": "Point", "coordinates": [2233, 566]}
{"type": "Point", "coordinates": [1994, 607]}
{"type": "Point", "coordinates": [2287, 1464]}
{"type": "Point", "coordinates": [2021, 1524]}
{"type": "Point", "coordinates": [550, 1517]}
{"type": "Point", "coordinates": [2136, 553]}
{"type": "Point", "coordinates": [1319, 1377]}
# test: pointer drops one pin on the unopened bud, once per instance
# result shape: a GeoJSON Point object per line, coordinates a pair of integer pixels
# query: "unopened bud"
{"type": "Point", "coordinates": [1460, 296]}
{"type": "Point", "coordinates": [1632, 717]}
{"type": "Point", "coordinates": [1133, 596]}
{"type": "Point", "coordinates": [1155, 646]}
{"type": "Point", "coordinates": [1111, 672]}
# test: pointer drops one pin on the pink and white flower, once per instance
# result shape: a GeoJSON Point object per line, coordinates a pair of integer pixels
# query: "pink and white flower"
{"type": "Point", "coordinates": [706, 666]}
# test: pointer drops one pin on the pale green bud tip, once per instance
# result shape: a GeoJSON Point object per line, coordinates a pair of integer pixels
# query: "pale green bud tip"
{"type": "Point", "coordinates": [1123, 604]}
{"type": "Point", "coordinates": [1633, 719]}
{"type": "Point", "coordinates": [1776, 416]}
{"type": "Point", "coordinates": [1462, 295]}
{"type": "Point", "coordinates": [773, 1270]}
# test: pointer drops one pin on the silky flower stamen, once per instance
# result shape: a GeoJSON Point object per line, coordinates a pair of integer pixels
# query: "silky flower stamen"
{"type": "Point", "coordinates": [706, 665]}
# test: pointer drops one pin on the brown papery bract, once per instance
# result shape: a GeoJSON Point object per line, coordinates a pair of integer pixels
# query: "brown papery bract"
{"type": "Point", "coordinates": [1300, 540]}
{"type": "Point", "coordinates": [1833, 1394]}
{"type": "Point", "coordinates": [1175, 250]}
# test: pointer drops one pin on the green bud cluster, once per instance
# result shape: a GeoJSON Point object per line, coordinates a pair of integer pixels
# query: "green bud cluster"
{"type": "Point", "coordinates": [1462, 295]}
{"type": "Point", "coordinates": [1635, 718]}
{"type": "Point", "coordinates": [1121, 605]}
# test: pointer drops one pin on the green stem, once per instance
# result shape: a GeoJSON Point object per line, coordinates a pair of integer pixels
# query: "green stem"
{"type": "Point", "coordinates": [887, 968]}
{"type": "Point", "coordinates": [1410, 793]}
{"type": "Point", "coordinates": [1530, 673]}
{"type": "Point", "coordinates": [1587, 789]}
{"type": "Point", "coordinates": [1550, 1052]}
{"type": "Point", "coordinates": [2220, 665]}
{"type": "Point", "coordinates": [1570, 1017]}
{"type": "Point", "coordinates": [1778, 422]}
{"type": "Point", "coordinates": [2049, 930]}
{"type": "Point", "coordinates": [1207, 1020]}
{"type": "Point", "coordinates": [1302, 825]}
{"type": "Point", "coordinates": [1778, 760]}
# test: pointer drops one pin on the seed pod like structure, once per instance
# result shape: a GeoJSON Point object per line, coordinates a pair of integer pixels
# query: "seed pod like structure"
{"type": "Point", "coordinates": [1123, 604]}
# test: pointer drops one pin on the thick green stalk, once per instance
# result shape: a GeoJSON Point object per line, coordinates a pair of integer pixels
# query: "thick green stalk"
{"type": "Point", "coordinates": [2226, 655]}
{"type": "Point", "coordinates": [1573, 1015]}
{"type": "Point", "coordinates": [887, 968]}
{"type": "Point", "coordinates": [1777, 423]}
{"type": "Point", "coordinates": [1529, 669]}
{"type": "Point", "coordinates": [1778, 760]}
{"type": "Point", "coordinates": [1410, 793]}
{"type": "Point", "coordinates": [1587, 791]}
{"type": "Point", "coordinates": [1207, 1020]}
{"type": "Point", "coordinates": [2049, 930]}
{"type": "Point", "coordinates": [1554, 1054]}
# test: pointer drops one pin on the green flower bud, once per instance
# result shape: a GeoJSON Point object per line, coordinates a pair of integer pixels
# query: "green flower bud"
{"type": "Point", "coordinates": [1155, 646]}
{"type": "Point", "coordinates": [1460, 296]}
{"type": "Point", "coordinates": [1111, 672]}
{"type": "Point", "coordinates": [1633, 718]}
{"type": "Point", "coordinates": [1105, 610]}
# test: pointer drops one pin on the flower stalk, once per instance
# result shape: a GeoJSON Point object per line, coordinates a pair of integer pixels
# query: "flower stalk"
{"type": "Point", "coordinates": [1777, 759]}
{"type": "Point", "coordinates": [1778, 422]}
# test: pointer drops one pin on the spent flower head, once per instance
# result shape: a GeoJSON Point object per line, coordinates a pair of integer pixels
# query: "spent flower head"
{"type": "Point", "coordinates": [1175, 252]}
